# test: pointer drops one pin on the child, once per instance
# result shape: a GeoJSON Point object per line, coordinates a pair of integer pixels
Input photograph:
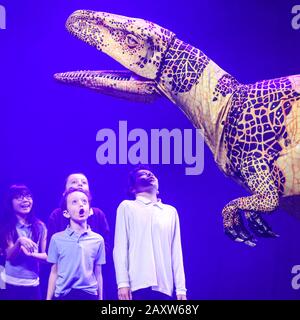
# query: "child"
{"type": "Point", "coordinates": [147, 249]}
{"type": "Point", "coordinates": [23, 240]}
{"type": "Point", "coordinates": [97, 220]}
{"type": "Point", "coordinates": [76, 253]}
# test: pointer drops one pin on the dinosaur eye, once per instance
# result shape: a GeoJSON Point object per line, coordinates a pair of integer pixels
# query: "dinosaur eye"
{"type": "Point", "coordinates": [132, 41]}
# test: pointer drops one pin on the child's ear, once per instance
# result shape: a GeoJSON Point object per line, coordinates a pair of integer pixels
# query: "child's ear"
{"type": "Point", "coordinates": [66, 214]}
{"type": "Point", "coordinates": [91, 212]}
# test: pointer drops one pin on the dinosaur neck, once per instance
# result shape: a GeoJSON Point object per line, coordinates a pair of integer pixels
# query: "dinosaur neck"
{"type": "Point", "coordinates": [201, 89]}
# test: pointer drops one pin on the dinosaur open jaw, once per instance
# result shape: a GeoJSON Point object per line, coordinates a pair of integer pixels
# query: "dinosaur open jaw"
{"type": "Point", "coordinates": [136, 44]}
{"type": "Point", "coordinates": [123, 83]}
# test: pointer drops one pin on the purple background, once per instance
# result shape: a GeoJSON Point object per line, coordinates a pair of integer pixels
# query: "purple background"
{"type": "Point", "coordinates": [48, 129]}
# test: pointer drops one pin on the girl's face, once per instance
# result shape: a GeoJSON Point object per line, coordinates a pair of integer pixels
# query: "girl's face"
{"type": "Point", "coordinates": [22, 204]}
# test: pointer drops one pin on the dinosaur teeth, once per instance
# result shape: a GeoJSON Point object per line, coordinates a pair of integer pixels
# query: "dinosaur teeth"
{"type": "Point", "coordinates": [85, 75]}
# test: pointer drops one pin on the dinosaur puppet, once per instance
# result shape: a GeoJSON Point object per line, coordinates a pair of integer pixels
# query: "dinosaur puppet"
{"type": "Point", "coordinates": [253, 130]}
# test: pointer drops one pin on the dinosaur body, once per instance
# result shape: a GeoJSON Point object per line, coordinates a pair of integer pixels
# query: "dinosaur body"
{"type": "Point", "coordinates": [265, 126]}
{"type": "Point", "coordinates": [252, 130]}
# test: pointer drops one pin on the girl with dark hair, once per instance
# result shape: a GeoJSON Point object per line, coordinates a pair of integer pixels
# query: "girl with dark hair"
{"type": "Point", "coordinates": [23, 240]}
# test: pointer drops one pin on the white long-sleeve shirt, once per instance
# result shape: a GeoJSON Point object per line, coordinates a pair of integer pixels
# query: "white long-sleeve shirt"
{"type": "Point", "coordinates": [147, 248]}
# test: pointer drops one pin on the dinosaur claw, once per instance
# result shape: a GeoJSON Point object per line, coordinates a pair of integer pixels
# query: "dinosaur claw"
{"type": "Point", "coordinates": [239, 234]}
{"type": "Point", "coordinates": [272, 234]}
{"type": "Point", "coordinates": [250, 243]}
{"type": "Point", "coordinates": [260, 227]}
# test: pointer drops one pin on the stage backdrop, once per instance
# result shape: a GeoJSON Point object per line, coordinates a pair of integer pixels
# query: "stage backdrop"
{"type": "Point", "coordinates": [48, 129]}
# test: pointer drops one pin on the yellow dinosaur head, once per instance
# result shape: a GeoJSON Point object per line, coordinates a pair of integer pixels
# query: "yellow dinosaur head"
{"type": "Point", "coordinates": [137, 44]}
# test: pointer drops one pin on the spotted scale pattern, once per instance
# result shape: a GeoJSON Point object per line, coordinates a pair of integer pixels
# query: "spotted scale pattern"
{"type": "Point", "coordinates": [184, 66]}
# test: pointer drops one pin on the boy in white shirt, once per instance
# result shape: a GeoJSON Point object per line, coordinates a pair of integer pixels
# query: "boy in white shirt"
{"type": "Point", "coordinates": [147, 247]}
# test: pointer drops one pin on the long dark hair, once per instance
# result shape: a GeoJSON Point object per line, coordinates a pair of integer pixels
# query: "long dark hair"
{"type": "Point", "coordinates": [8, 229]}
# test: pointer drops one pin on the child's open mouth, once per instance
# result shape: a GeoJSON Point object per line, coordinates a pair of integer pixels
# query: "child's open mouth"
{"type": "Point", "coordinates": [25, 205]}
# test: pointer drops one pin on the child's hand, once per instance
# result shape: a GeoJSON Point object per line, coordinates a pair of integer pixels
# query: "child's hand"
{"type": "Point", "coordinates": [28, 244]}
{"type": "Point", "coordinates": [124, 293]}
{"type": "Point", "coordinates": [26, 252]}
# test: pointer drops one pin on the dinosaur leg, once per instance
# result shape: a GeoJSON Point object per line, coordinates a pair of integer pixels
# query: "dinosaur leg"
{"type": "Point", "coordinates": [259, 226]}
{"type": "Point", "coordinates": [256, 174]}
{"type": "Point", "coordinates": [238, 232]}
